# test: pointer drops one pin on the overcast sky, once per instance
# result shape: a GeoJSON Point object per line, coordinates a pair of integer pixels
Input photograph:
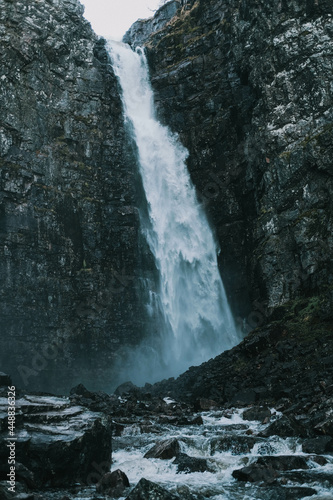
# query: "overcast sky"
{"type": "Point", "coordinates": [112, 18]}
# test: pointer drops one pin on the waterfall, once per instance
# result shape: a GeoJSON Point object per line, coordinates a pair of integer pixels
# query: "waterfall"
{"type": "Point", "coordinates": [195, 322]}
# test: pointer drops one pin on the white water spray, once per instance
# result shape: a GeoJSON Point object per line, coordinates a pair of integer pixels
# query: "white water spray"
{"type": "Point", "coordinates": [196, 322]}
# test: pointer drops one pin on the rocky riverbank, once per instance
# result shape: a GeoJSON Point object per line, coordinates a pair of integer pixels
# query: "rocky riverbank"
{"type": "Point", "coordinates": [256, 421]}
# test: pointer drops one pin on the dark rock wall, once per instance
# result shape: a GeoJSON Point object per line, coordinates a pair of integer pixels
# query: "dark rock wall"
{"type": "Point", "coordinates": [248, 87]}
{"type": "Point", "coordinates": [69, 255]}
{"type": "Point", "coordinates": [246, 84]}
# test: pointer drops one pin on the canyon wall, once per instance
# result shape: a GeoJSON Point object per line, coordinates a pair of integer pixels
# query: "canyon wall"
{"type": "Point", "coordinates": [70, 256]}
{"type": "Point", "coordinates": [247, 85]}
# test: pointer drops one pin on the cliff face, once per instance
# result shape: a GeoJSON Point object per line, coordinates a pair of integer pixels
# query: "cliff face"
{"type": "Point", "coordinates": [69, 251]}
{"type": "Point", "coordinates": [247, 86]}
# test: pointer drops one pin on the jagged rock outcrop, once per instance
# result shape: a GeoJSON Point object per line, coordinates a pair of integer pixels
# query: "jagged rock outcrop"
{"type": "Point", "coordinates": [253, 79]}
{"type": "Point", "coordinates": [56, 444]}
{"type": "Point", "coordinates": [69, 258]}
{"type": "Point", "coordinates": [140, 31]}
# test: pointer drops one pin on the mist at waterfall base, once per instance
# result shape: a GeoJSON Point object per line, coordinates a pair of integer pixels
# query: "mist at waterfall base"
{"type": "Point", "coordinates": [191, 321]}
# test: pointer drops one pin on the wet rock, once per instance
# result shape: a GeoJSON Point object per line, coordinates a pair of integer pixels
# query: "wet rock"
{"type": "Point", "coordinates": [183, 421]}
{"type": "Point", "coordinates": [318, 459]}
{"type": "Point", "coordinates": [256, 472]}
{"type": "Point", "coordinates": [234, 444]}
{"type": "Point", "coordinates": [164, 450]}
{"type": "Point", "coordinates": [283, 462]}
{"type": "Point", "coordinates": [268, 468]}
{"type": "Point", "coordinates": [284, 427]}
{"type": "Point", "coordinates": [325, 427]}
{"type": "Point", "coordinates": [145, 490]}
{"type": "Point", "coordinates": [310, 476]}
{"type": "Point", "coordinates": [58, 443]}
{"type": "Point", "coordinates": [185, 493]}
{"type": "Point", "coordinates": [257, 413]}
{"type": "Point", "coordinates": [113, 484]}
{"type": "Point", "coordinates": [118, 429]}
{"type": "Point", "coordinates": [299, 492]}
{"type": "Point", "coordinates": [289, 493]}
{"type": "Point", "coordinates": [318, 445]}
{"type": "Point", "coordinates": [189, 464]}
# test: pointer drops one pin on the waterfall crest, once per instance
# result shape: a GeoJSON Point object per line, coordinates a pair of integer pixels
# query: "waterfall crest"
{"type": "Point", "coordinates": [195, 319]}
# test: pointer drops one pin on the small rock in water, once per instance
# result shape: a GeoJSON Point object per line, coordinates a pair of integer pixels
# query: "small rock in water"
{"type": "Point", "coordinates": [146, 490]}
{"type": "Point", "coordinates": [254, 473]}
{"type": "Point", "coordinates": [298, 492]}
{"type": "Point", "coordinates": [164, 450]}
{"type": "Point", "coordinates": [113, 484]}
{"type": "Point", "coordinates": [234, 444]}
{"type": "Point", "coordinates": [268, 468]}
{"type": "Point", "coordinates": [283, 462]}
{"type": "Point", "coordinates": [189, 464]}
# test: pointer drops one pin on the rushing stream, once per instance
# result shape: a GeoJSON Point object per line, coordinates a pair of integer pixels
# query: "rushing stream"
{"type": "Point", "coordinates": [228, 443]}
{"type": "Point", "coordinates": [195, 322]}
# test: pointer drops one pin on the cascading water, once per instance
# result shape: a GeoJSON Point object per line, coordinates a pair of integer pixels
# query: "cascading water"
{"type": "Point", "coordinates": [195, 319]}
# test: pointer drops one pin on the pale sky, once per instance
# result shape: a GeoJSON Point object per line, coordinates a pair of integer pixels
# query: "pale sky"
{"type": "Point", "coordinates": [112, 18]}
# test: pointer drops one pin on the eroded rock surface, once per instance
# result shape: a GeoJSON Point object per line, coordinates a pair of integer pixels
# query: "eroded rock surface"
{"type": "Point", "coordinates": [57, 444]}
{"type": "Point", "coordinates": [69, 253]}
{"type": "Point", "coordinates": [253, 79]}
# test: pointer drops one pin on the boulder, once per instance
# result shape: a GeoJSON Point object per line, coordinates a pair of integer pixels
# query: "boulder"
{"type": "Point", "coordinates": [164, 449]}
{"type": "Point", "coordinates": [325, 427]}
{"type": "Point", "coordinates": [320, 444]}
{"type": "Point", "coordinates": [257, 413]}
{"type": "Point", "coordinates": [254, 473]}
{"type": "Point", "coordinates": [285, 427]}
{"type": "Point", "coordinates": [81, 390]}
{"type": "Point", "coordinates": [298, 492]}
{"type": "Point", "coordinates": [125, 388]}
{"type": "Point", "coordinates": [61, 444]}
{"type": "Point", "coordinates": [113, 484]}
{"type": "Point", "coordinates": [147, 490]}
{"type": "Point", "coordinates": [283, 462]}
{"type": "Point", "coordinates": [188, 464]}
{"type": "Point", "coordinates": [266, 469]}
{"type": "Point", "coordinates": [234, 444]}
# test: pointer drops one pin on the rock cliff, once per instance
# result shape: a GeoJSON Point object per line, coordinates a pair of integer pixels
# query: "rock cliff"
{"type": "Point", "coordinates": [247, 86]}
{"type": "Point", "coordinates": [69, 242]}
